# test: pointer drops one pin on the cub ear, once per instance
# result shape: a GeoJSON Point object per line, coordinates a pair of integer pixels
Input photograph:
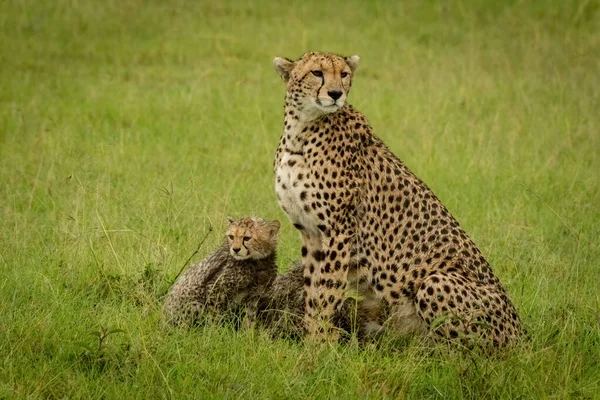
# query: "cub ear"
{"type": "Point", "coordinates": [352, 62]}
{"type": "Point", "coordinates": [273, 227]}
{"type": "Point", "coordinates": [284, 67]}
{"type": "Point", "coordinates": [230, 220]}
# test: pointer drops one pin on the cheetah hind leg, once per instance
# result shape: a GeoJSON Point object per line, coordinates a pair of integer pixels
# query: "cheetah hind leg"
{"type": "Point", "coordinates": [456, 308]}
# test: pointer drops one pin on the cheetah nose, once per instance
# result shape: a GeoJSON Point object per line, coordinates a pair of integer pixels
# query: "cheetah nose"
{"type": "Point", "coordinates": [236, 249]}
{"type": "Point", "coordinates": [334, 94]}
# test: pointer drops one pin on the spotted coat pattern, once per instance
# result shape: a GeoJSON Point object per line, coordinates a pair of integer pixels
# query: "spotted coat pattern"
{"type": "Point", "coordinates": [235, 276]}
{"type": "Point", "coordinates": [281, 308]}
{"type": "Point", "coordinates": [356, 204]}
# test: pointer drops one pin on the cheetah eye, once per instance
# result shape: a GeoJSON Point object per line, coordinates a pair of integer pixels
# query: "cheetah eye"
{"type": "Point", "coordinates": [317, 73]}
{"type": "Point", "coordinates": [246, 238]}
{"type": "Point", "coordinates": [230, 237]}
{"type": "Point", "coordinates": [344, 74]}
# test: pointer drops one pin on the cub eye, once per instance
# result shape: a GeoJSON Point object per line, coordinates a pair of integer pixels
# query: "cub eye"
{"type": "Point", "coordinates": [344, 74]}
{"type": "Point", "coordinates": [230, 237]}
{"type": "Point", "coordinates": [317, 73]}
{"type": "Point", "coordinates": [246, 238]}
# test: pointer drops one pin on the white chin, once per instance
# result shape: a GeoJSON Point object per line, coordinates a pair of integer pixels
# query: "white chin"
{"type": "Point", "coordinates": [239, 256]}
{"type": "Point", "coordinates": [330, 108]}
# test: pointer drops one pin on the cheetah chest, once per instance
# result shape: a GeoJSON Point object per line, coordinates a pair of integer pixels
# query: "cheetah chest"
{"type": "Point", "coordinates": [294, 191]}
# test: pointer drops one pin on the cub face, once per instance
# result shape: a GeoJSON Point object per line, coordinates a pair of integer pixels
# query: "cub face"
{"type": "Point", "coordinates": [317, 83]}
{"type": "Point", "coordinates": [251, 238]}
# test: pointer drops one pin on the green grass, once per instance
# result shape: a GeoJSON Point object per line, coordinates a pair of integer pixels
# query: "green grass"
{"type": "Point", "coordinates": [129, 128]}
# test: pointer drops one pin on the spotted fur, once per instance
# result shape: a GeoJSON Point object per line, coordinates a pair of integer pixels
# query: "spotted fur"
{"type": "Point", "coordinates": [281, 309]}
{"type": "Point", "coordinates": [356, 203]}
{"type": "Point", "coordinates": [234, 276]}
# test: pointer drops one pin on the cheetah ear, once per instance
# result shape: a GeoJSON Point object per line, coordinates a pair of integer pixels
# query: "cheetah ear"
{"type": "Point", "coordinates": [273, 227]}
{"type": "Point", "coordinates": [230, 220]}
{"type": "Point", "coordinates": [352, 62]}
{"type": "Point", "coordinates": [284, 67]}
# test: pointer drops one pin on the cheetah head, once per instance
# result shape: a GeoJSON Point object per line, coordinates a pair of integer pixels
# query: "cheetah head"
{"type": "Point", "coordinates": [317, 83]}
{"type": "Point", "coordinates": [251, 238]}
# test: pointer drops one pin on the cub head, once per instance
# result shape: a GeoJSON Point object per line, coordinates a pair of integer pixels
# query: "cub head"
{"type": "Point", "coordinates": [317, 83]}
{"type": "Point", "coordinates": [251, 238]}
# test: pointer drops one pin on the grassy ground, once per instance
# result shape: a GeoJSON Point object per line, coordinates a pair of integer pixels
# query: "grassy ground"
{"type": "Point", "coordinates": [129, 128]}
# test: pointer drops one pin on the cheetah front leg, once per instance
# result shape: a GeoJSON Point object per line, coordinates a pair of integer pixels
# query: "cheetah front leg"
{"type": "Point", "coordinates": [311, 246]}
{"type": "Point", "coordinates": [250, 312]}
{"type": "Point", "coordinates": [326, 260]}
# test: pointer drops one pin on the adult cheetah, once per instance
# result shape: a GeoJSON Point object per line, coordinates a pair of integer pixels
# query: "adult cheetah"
{"type": "Point", "coordinates": [236, 275]}
{"type": "Point", "coordinates": [357, 206]}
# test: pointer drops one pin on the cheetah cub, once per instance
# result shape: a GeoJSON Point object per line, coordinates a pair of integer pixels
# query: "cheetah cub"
{"type": "Point", "coordinates": [234, 276]}
{"type": "Point", "coordinates": [357, 205]}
